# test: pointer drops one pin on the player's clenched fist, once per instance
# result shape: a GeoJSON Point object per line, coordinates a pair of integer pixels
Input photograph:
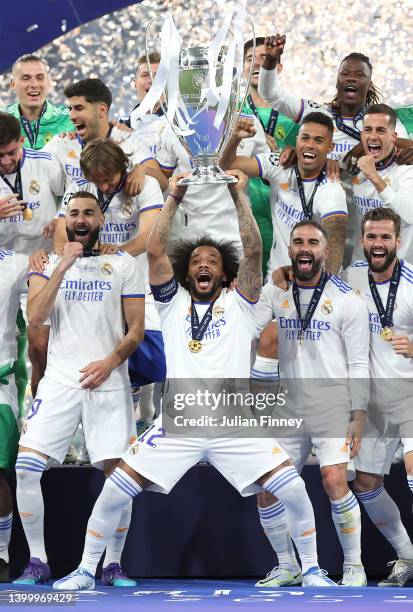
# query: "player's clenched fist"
{"type": "Point", "coordinates": [71, 251]}
{"type": "Point", "coordinates": [274, 47]}
{"type": "Point", "coordinates": [244, 128]}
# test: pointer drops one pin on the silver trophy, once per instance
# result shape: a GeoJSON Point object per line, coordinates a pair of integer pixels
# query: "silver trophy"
{"type": "Point", "coordinates": [201, 86]}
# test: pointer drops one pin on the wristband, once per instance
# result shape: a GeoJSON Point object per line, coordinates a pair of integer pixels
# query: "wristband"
{"type": "Point", "coordinates": [175, 197]}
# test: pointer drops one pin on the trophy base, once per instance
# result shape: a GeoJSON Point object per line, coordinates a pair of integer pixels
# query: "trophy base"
{"type": "Point", "coordinates": [204, 175]}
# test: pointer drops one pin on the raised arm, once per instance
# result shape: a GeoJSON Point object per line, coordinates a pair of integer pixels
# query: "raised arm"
{"type": "Point", "coordinates": [335, 227]}
{"type": "Point", "coordinates": [244, 128]}
{"type": "Point", "coordinates": [269, 87]}
{"type": "Point", "coordinates": [249, 278]}
{"type": "Point", "coordinates": [160, 267]}
{"type": "Point", "coordinates": [43, 291]}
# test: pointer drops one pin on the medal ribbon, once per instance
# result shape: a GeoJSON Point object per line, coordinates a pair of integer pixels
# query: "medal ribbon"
{"type": "Point", "coordinates": [17, 187]}
{"type": "Point", "coordinates": [198, 329]}
{"type": "Point", "coordinates": [308, 208]}
{"type": "Point", "coordinates": [343, 127]}
{"type": "Point", "coordinates": [32, 132]}
{"type": "Point", "coordinates": [104, 203]}
{"type": "Point", "coordinates": [318, 290]}
{"type": "Point", "coordinates": [272, 121]}
{"type": "Point", "coordinates": [386, 316]}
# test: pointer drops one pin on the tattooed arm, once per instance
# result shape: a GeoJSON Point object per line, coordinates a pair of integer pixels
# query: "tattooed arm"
{"type": "Point", "coordinates": [249, 278]}
{"type": "Point", "coordinates": [160, 267]}
{"type": "Point", "coordinates": [335, 227]}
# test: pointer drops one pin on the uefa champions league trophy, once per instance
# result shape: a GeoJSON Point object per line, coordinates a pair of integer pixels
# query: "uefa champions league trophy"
{"type": "Point", "coordinates": [201, 86]}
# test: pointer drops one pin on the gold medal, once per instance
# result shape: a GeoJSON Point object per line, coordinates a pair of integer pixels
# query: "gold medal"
{"type": "Point", "coordinates": [386, 333]}
{"type": "Point", "coordinates": [27, 214]}
{"type": "Point", "coordinates": [301, 337]}
{"type": "Point", "coordinates": [194, 346]}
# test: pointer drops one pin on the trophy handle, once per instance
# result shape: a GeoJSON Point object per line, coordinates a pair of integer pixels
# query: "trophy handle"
{"type": "Point", "coordinates": [241, 106]}
{"type": "Point", "coordinates": [147, 53]}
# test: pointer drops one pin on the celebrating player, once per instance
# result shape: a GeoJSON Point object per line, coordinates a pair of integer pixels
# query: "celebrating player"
{"type": "Point", "coordinates": [13, 284]}
{"type": "Point", "coordinates": [381, 181]}
{"type": "Point", "coordinates": [323, 344]}
{"type": "Point", "coordinates": [88, 298]}
{"type": "Point", "coordinates": [158, 461]}
{"type": "Point", "coordinates": [40, 120]}
{"type": "Point", "coordinates": [385, 282]}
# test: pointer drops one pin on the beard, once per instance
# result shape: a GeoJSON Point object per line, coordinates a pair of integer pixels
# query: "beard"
{"type": "Point", "coordinates": [388, 260]}
{"type": "Point", "coordinates": [92, 238]}
{"type": "Point", "coordinates": [306, 275]}
{"type": "Point", "coordinates": [217, 284]}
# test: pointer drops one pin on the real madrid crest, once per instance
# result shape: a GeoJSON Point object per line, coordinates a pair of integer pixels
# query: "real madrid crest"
{"type": "Point", "coordinates": [106, 269]}
{"type": "Point", "coordinates": [217, 311]}
{"type": "Point", "coordinates": [327, 307]}
{"type": "Point", "coordinates": [72, 154]}
{"type": "Point", "coordinates": [34, 187]}
{"type": "Point", "coordinates": [127, 209]}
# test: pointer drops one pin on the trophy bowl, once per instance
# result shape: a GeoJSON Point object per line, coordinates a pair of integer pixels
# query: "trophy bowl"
{"type": "Point", "coordinates": [208, 101]}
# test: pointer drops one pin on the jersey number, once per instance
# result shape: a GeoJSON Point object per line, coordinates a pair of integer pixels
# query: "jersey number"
{"type": "Point", "coordinates": [160, 433]}
{"type": "Point", "coordinates": [34, 408]}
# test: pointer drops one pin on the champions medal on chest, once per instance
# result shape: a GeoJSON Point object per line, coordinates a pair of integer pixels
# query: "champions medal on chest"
{"type": "Point", "coordinates": [195, 346]}
{"type": "Point", "coordinates": [386, 333]}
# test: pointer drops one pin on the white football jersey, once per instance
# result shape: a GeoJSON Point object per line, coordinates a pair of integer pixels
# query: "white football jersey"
{"type": "Point", "coordinates": [335, 346]}
{"type": "Point", "coordinates": [397, 195]}
{"type": "Point", "coordinates": [384, 362]}
{"type": "Point", "coordinates": [87, 321]}
{"type": "Point", "coordinates": [225, 351]}
{"type": "Point", "coordinates": [68, 150]}
{"type": "Point", "coordinates": [296, 108]}
{"type": "Point", "coordinates": [208, 209]}
{"type": "Point", "coordinates": [13, 284]}
{"type": "Point", "coordinates": [122, 225]}
{"type": "Point", "coordinates": [42, 183]}
{"type": "Point", "coordinates": [149, 129]}
{"type": "Point", "coordinates": [286, 207]}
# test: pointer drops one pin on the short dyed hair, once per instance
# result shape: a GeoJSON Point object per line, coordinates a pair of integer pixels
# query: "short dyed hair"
{"type": "Point", "coordinates": [29, 57]}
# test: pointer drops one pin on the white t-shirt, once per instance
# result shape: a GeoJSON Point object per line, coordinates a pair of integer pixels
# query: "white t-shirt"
{"type": "Point", "coordinates": [225, 349]}
{"type": "Point", "coordinates": [208, 209]}
{"type": "Point", "coordinates": [296, 108]}
{"type": "Point", "coordinates": [87, 321]}
{"type": "Point", "coordinates": [13, 284]}
{"type": "Point", "coordinates": [286, 207]}
{"type": "Point", "coordinates": [335, 346]}
{"type": "Point", "coordinates": [42, 183]}
{"type": "Point", "coordinates": [397, 195]}
{"type": "Point", "coordinates": [384, 362]}
{"type": "Point", "coordinates": [68, 150]}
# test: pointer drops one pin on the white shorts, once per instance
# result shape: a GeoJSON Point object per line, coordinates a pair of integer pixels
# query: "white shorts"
{"type": "Point", "coordinates": [164, 459]}
{"type": "Point", "coordinates": [377, 451]}
{"type": "Point", "coordinates": [106, 416]}
{"type": "Point", "coordinates": [329, 451]}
